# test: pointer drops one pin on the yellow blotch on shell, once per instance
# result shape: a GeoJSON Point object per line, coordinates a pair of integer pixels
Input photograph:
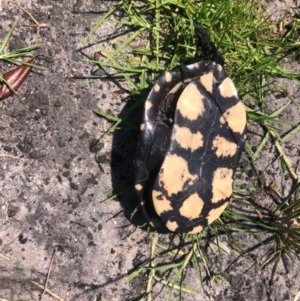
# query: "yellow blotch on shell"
{"type": "Point", "coordinates": [156, 87]}
{"type": "Point", "coordinates": [172, 226]}
{"type": "Point", "coordinates": [168, 76]}
{"type": "Point", "coordinates": [191, 102]}
{"type": "Point", "coordinates": [148, 105]}
{"type": "Point", "coordinates": [138, 187]}
{"type": "Point", "coordinates": [224, 148]}
{"type": "Point", "coordinates": [196, 229]}
{"type": "Point", "coordinates": [192, 206]}
{"type": "Point", "coordinates": [222, 184]}
{"type": "Point", "coordinates": [215, 213]}
{"type": "Point", "coordinates": [227, 88]}
{"type": "Point", "coordinates": [235, 117]}
{"type": "Point", "coordinates": [186, 139]}
{"type": "Point", "coordinates": [175, 174]}
{"type": "Point", "coordinates": [160, 202]}
{"type": "Point", "coordinates": [142, 126]}
{"type": "Point", "coordinates": [219, 68]}
{"type": "Point", "coordinates": [207, 80]}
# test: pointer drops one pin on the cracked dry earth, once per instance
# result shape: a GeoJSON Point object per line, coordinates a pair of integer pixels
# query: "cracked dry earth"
{"type": "Point", "coordinates": [53, 186]}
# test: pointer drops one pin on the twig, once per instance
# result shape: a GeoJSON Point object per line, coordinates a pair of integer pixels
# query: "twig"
{"type": "Point", "coordinates": [48, 291]}
{"type": "Point", "coordinates": [36, 24]}
{"type": "Point", "coordinates": [48, 275]}
{"type": "Point", "coordinates": [10, 156]}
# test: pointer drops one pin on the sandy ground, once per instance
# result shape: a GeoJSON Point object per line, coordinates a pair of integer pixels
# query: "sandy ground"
{"type": "Point", "coordinates": [53, 186]}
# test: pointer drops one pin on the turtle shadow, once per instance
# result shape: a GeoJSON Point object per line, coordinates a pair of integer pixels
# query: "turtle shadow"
{"type": "Point", "coordinates": [124, 145]}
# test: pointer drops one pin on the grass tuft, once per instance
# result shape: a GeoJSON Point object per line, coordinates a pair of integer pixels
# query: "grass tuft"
{"type": "Point", "coordinates": [16, 55]}
{"type": "Point", "coordinates": [12, 56]}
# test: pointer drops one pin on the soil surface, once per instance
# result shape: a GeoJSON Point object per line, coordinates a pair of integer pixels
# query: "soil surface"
{"type": "Point", "coordinates": [53, 182]}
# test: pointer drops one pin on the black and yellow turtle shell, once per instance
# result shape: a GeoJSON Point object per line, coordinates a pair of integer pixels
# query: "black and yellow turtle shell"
{"type": "Point", "coordinates": [191, 139]}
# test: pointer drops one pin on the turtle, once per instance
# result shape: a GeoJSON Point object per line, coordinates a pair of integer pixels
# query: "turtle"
{"type": "Point", "coordinates": [191, 138]}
